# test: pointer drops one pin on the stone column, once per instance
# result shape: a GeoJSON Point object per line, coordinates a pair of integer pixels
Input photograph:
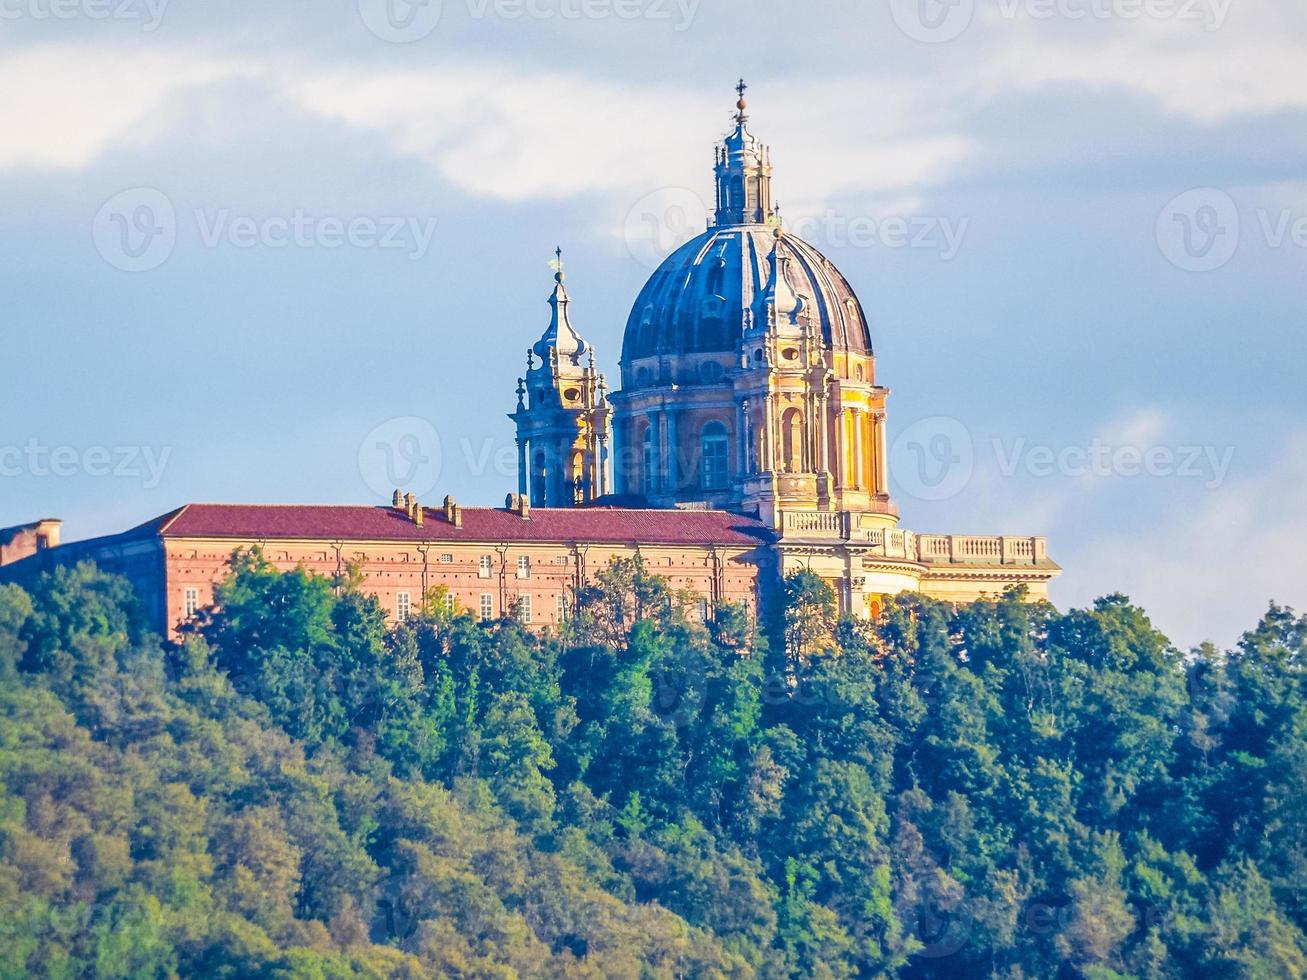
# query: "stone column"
{"type": "Point", "coordinates": [673, 450]}
{"type": "Point", "coordinates": [809, 433]}
{"type": "Point", "coordinates": [555, 495]}
{"type": "Point", "coordinates": [857, 461]}
{"type": "Point", "coordinates": [882, 455]}
{"type": "Point", "coordinates": [841, 461]}
{"type": "Point", "coordinates": [823, 449]}
{"type": "Point", "coordinates": [742, 441]}
{"type": "Point", "coordinates": [659, 424]}
{"type": "Point", "coordinates": [523, 486]}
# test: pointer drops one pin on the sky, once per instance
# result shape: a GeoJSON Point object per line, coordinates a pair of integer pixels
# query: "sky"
{"type": "Point", "coordinates": [293, 252]}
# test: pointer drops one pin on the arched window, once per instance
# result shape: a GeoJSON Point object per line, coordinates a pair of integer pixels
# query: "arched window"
{"type": "Point", "coordinates": [792, 440]}
{"type": "Point", "coordinates": [649, 460]}
{"type": "Point", "coordinates": [714, 454]}
{"type": "Point", "coordinates": [737, 193]}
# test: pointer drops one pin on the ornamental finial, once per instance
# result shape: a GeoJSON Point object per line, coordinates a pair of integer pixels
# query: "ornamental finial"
{"type": "Point", "coordinates": [741, 105]}
{"type": "Point", "coordinates": [557, 264]}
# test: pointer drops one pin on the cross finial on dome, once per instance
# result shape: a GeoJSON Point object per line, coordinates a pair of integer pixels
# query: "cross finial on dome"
{"type": "Point", "coordinates": [742, 104]}
{"type": "Point", "coordinates": [557, 264]}
{"type": "Point", "coordinates": [774, 221]}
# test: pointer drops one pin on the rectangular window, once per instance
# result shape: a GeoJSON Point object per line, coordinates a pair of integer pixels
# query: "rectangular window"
{"type": "Point", "coordinates": [192, 601]}
{"type": "Point", "coordinates": [487, 607]}
{"type": "Point", "coordinates": [523, 566]}
{"type": "Point", "coordinates": [562, 608]}
{"type": "Point", "coordinates": [449, 602]}
{"type": "Point", "coordinates": [403, 605]}
{"type": "Point", "coordinates": [446, 559]}
{"type": "Point", "coordinates": [524, 609]}
{"type": "Point", "coordinates": [715, 451]}
{"type": "Point", "coordinates": [484, 566]}
{"type": "Point", "coordinates": [703, 610]}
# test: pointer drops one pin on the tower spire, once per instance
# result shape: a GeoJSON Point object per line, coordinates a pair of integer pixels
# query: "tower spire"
{"type": "Point", "coordinates": [562, 418]}
{"type": "Point", "coordinates": [560, 339]}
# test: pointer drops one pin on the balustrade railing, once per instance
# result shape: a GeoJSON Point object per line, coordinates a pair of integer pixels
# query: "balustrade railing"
{"type": "Point", "coordinates": [957, 549]}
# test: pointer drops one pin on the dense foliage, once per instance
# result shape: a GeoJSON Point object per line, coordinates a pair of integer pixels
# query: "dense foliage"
{"type": "Point", "coordinates": [302, 789]}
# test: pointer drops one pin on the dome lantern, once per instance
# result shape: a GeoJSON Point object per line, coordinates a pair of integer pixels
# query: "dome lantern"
{"type": "Point", "coordinates": [743, 166]}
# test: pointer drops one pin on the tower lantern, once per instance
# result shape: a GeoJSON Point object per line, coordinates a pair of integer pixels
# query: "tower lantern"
{"type": "Point", "coordinates": [743, 173]}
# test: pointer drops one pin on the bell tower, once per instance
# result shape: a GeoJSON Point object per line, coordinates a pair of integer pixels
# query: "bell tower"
{"type": "Point", "coordinates": [562, 414]}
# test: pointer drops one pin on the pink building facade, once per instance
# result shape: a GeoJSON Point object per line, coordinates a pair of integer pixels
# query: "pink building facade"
{"type": "Point", "coordinates": [520, 562]}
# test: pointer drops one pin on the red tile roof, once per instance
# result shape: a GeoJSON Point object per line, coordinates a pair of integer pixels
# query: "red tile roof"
{"type": "Point", "coordinates": [598, 525]}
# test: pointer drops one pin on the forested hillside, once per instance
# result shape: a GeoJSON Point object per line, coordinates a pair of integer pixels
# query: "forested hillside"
{"type": "Point", "coordinates": [303, 789]}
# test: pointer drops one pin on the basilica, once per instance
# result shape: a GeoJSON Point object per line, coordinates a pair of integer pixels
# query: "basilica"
{"type": "Point", "coordinates": [748, 385]}
{"type": "Point", "coordinates": [747, 439]}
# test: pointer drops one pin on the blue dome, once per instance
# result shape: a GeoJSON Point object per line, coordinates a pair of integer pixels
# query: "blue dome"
{"type": "Point", "coordinates": [697, 300]}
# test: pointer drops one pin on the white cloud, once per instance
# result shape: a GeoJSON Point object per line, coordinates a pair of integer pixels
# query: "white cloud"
{"type": "Point", "coordinates": [65, 106]}
{"type": "Point", "coordinates": [516, 131]}
{"type": "Point", "coordinates": [517, 135]}
{"type": "Point", "coordinates": [509, 133]}
{"type": "Point", "coordinates": [1250, 64]}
